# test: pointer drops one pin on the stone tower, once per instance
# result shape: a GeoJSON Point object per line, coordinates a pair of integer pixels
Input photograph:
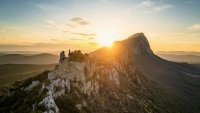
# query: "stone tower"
{"type": "Point", "coordinates": [62, 56]}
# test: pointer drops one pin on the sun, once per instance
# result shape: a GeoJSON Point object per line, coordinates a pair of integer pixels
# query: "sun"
{"type": "Point", "coordinates": [106, 43]}
{"type": "Point", "coordinates": [106, 38]}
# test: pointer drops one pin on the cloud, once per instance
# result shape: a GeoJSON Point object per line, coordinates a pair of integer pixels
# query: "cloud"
{"type": "Point", "coordinates": [27, 46]}
{"type": "Point", "coordinates": [195, 27]}
{"type": "Point", "coordinates": [52, 25]}
{"type": "Point", "coordinates": [85, 34]}
{"type": "Point", "coordinates": [76, 39]}
{"type": "Point", "coordinates": [70, 25]}
{"type": "Point", "coordinates": [92, 43]}
{"type": "Point", "coordinates": [90, 38]}
{"type": "Point", "coordinates": [152, 6]}
{"type": "Point", "coordinates": [2, 30]}
{"type": "Point", "coordinates": [147, 3]}
{"type": "Point", "coordinates": [80, 20]}
{"type": "Point", "coordinates": [54, 40]}
{"type": "Point", "coordinates": [56, 27]}
{"type": "Point", "coordinates": [46, 7]}
{"type": "Point", "coordinates": [77, 21]}
{"type": "Point", "coordinates": [65, 31]}
{"type": "Point", "coordinates": [160, 8]}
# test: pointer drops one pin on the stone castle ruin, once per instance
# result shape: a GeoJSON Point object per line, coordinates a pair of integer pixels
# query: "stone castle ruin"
{"type": "Point", "coordinates": [78, 70]}
{"type": "Point", "coordinates": [76, 56]}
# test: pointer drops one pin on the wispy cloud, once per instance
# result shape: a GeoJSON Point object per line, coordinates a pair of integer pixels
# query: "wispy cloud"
{"type": "Point", "coordinates": [92, 43]}
{"type": "Point", "coordinates": [2, 30]}
{"type": "Point", "coordinates": [52, 25]}
{"type": "Point", "coordinates": [27, 46]}
{"type": "Point", "coordinates": [70, 25]}
{"type": "Point", "coordinates": [90, 38]}
{"type": "Point", "coordinates": [195, 27]}
{"type": "Point", "coordinates": [67, 27]}
{"type": "Point", "coordinates": [152, 6]}
{"type": "Point", "coordinates": [77, 21]}
{"type": "Point", "coordinates": [163, 7]}
{"type": "Point", "coordinates": [46, 7]}
{"type": "Point", "coordinates": [76, 39]}
{"type": "Point", "coordinates": [54, 40]}
{"type": "Point", "coordinates": [85, 34]}
{"type": "Point", "coordinates": [80, 21]}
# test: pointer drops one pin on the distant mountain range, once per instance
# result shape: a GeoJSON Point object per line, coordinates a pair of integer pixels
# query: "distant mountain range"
{"type": "Point", "coordinates": [31, 57]}
{"type": "Point", "coordinates": [189, 58]}
{"type": "Point", "coordinates": [180, 56]}
{"type": "Point", "coordinates": [43, 58]}
{"type": "Point", "coordinates": [29, 52]}
{"type": "Point", "coordinates": [179, 52]}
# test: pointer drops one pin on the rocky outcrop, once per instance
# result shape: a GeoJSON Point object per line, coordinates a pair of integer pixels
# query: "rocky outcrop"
{"type": "Point", "coordinates": [33, 84]}
{"type": "Point", "coordinates": [97, 77]}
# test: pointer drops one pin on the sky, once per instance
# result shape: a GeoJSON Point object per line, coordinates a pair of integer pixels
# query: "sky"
{"type": "Point", "coordinates": [56, 25]}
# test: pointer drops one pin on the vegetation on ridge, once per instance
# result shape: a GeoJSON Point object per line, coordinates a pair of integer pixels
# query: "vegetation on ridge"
{"type": "Point", "coordinates": [77, 56]}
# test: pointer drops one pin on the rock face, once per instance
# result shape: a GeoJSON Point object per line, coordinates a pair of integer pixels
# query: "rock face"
{"type": "Point", "coordinates": [138, 43]}
{"type": "Point", "coordinates": [142, 46]}
{"type": "Point", "coordinates": [33, 84]}
{"type": "Point", "coordinates": [107, 81]}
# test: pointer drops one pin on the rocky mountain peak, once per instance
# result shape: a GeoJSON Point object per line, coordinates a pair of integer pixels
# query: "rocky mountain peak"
{"type": "Point", "coordinates": [140, 43]}
{"type": "Point", "coordinates": [137, 43]}
{"type": "Point", "coordinates": [138, 35]}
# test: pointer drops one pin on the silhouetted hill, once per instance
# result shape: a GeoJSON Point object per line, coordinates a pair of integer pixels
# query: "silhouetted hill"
{"type": "Point", "coordinates": [43, 58]}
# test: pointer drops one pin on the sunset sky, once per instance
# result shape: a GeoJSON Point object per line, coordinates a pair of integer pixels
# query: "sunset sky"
{"type": "Point", "coordinates": [55, 25]}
